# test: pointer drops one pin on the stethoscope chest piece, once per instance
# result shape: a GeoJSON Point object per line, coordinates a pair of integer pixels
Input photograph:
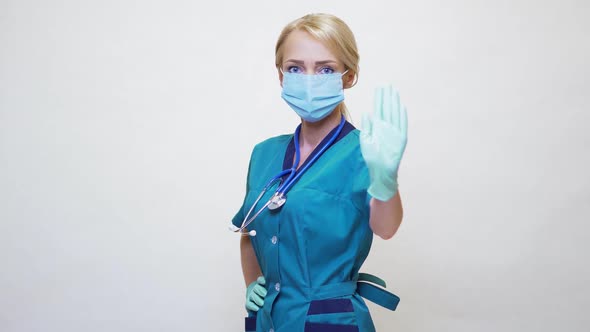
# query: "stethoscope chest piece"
{"type": "Point", "coordinates": [276, 201]}
{"type": "Point", "coordinates": [279, 198]}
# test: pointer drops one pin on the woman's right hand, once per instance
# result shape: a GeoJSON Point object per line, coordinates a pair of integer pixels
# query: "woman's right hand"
{"type": "Point", "coordinates": [255, 294]}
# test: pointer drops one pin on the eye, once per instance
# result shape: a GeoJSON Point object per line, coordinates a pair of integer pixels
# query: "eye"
{"type": "Point", "coordinates": [326, 70]}
{"type": "Point", "coordinates": [294, 70]}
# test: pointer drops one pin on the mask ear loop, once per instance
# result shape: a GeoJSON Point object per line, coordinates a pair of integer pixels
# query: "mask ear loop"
{"type": "Point", "coordinates": [344, 73]}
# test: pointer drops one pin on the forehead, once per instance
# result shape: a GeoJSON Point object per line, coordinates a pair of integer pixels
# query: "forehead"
{"type": "Point", "coordinates": [300, 45]}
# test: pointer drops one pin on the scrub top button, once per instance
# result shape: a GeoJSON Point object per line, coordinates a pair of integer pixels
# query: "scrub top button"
{"type": "Point", "coordinates": [277, 287]}
{"type": "Point", "coordinates": [273, 240]}
{"type": "Point", "coordinates": [271, 330]}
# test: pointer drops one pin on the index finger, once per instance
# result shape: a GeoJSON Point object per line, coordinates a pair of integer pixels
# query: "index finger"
{"type": "Point", "coordinates": [378, 106]}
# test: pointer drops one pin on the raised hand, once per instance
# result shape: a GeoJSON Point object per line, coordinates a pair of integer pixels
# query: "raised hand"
{"type": "Point", "coordinates": [383, 142]}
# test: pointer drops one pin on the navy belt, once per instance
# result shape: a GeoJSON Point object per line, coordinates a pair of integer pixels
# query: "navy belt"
{"type": "Point", "coordinates": [322, 298]}
{"type": "Point", "coordinates": [366, 286]}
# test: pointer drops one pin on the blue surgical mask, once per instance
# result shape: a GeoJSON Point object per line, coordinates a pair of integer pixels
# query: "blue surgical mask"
{"type": "Point", "coordinates": [313, 97]}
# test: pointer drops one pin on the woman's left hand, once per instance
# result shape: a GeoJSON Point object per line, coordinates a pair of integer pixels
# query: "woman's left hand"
{"type": "Point", "coordinates": [383, 141]}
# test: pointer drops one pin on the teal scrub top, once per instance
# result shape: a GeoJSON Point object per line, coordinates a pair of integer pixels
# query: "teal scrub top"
{"type": "Point", "coordinates": [311, 249]}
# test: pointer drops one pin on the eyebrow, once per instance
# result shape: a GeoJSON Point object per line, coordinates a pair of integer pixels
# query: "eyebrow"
{"type": "Point", "coordinates": [300, 62]}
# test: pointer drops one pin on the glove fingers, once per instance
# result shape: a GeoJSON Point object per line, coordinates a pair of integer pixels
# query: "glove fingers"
{"type": "Point", "coordinates": [367, 125]}
{"type": "Point", "coordinates": [251, 306]}
{"type": "Point", "coordinates": [261, 280]}
{"type": "Point", "coordinates": [378, 107]}
{"type": "Point", "coordinates": [254, 298]}
{"type": "Point", "coordinates": [403, 122]}
{"type": "Point", "coordinates": [259, 290]}
{"type": "Point", "coordinates": [397, 110]}
{"type": "Point", "coordinates": [388, 104]}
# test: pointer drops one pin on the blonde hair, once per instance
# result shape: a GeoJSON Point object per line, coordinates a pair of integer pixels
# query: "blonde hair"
{"type": "Point", "coordinates": [332, 32]}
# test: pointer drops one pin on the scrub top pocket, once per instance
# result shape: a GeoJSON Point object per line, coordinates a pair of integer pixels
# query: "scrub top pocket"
{"type": "Point", "coordinates": [250, 324]}
{"type": "Point", "coordinates": [331, 315]}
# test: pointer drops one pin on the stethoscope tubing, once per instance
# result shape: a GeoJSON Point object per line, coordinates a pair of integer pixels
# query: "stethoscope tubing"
{"type": "Point", "coordinates": [289, 184]}
{"type": "Point", "coordinates": [285, 186]}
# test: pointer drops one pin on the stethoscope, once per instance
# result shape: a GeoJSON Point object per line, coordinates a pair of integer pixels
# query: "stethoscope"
{"type": "Point", "coordinates": [280, 196]}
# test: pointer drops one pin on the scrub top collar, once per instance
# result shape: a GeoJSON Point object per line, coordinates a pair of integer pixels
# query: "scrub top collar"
{"type": "Point", "coordinates": [290, 153]}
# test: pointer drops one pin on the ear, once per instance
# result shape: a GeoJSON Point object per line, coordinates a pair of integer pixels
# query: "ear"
{"type": "Point", "coordinates": [348, 79]}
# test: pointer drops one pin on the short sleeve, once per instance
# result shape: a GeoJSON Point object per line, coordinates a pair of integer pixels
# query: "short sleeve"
{"type": "Point", "coordinates": [361, 183]}
{"type": "Point", "coordinates": [239, 216]}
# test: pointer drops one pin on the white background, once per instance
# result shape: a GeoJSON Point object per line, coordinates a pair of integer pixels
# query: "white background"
{"type": "Point", "coordinates": [126, 128]}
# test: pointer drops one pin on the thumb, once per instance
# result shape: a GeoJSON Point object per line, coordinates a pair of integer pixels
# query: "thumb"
{"type": "Point", "coordinates": [366, 125]}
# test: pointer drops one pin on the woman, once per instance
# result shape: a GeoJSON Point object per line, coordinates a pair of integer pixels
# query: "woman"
{"type": "Point", "coordinates": [302, 252]}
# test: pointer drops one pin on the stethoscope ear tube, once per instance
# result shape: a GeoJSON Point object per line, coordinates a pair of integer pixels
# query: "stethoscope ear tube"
{"type": "Point", "coordinates": [240, 230]}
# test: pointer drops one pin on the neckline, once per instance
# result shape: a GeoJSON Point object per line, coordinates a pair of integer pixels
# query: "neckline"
{"type": "Point", "coordinates": [290, 151]}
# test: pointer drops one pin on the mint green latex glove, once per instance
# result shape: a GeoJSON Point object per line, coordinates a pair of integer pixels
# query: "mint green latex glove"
{"type": "Point", "coordinates": [255, 294]}
{"type": "Point", "coordinates": [383, 142]}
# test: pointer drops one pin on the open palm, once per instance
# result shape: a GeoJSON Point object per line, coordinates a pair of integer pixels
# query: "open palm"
{"type": "Point", "coordinates": [383, 141]}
